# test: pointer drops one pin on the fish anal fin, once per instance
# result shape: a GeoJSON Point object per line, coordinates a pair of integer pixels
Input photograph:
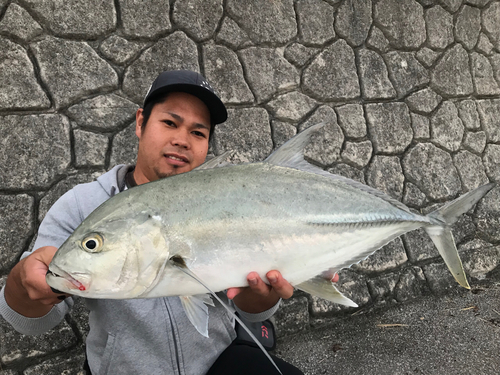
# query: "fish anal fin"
{"type": "Point", "coordinates": [180, 264]}
{"type": "Point", "coordinates": [319, 286]}
{"type": "Point", "coordinates": [197, 311]}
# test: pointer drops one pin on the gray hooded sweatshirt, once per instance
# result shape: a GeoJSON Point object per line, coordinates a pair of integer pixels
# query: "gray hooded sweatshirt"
{"type": "Point", "coordinates": [137, 336]}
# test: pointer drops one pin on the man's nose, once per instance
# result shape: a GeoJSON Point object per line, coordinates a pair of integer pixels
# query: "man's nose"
{"type": "Point", "coordinates": [181, 139]}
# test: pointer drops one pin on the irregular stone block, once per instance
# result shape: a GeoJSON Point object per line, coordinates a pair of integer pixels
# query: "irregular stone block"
{"type": "Point", "coordinates": [426, 56]}
{"type": "Point", "coordinates": [315, 22]}
{"type": "Point", "coordinates": [377, 40]}
{"type": "Point", "coordinates": [353, 21]}
{"type": "Point", "coordinates": [357, 153]}
{"type": "Point", "coordinates": [484, 45]}
{"type": "Point", "coordinates": [389, 127]}
{"type": "Point", "coordinates": [120, 50]}
{"type": "Point", "coordinates": [64, 364]}
{"type": "Point", "coordinates": [90, 148]}
{"type": "Point", "coordinates": [495, 64]}
{"type": "Point", "coordinates": [491, 160]}
{"type": "Point", "coordinates": [479, 3]}
{"type": "Point", "coordinates": [19, 88]}
{"type": "Point", "coordinates": [490, 21]}
{"type": "Point", "coordinates": [198, 18]}
{"type": "Point", "coordinates": [439, 24]}
{"type": "Point", "coordinates": [468, 113]}
{"type": "Point", "coordinates": [402, 21]}
{"type": "Point", "coordinates": [411, 284]}
{"type": "Point", "coordinates": [439, 278]}
{"type": "Point", "coordinates": [471, 170]}
{"type": "Point", "coordinates": [336, 66]}
{"type": "Point", "coordinates": [419, 245]}
{"type": "Point", "coordinates": [72, 69]}
{"type": "Point", "coordinates": [432, 171]}
{"type": "Point", "coordinates": [475, 142]}
{"type": "Point", "coordinates": [148, 21]}
{"type": "Point", "coordinates": [482, 72]}
{"type": "Point", "coordinates": [254, 123]}
{"type": "Point", "coordinates": [20, 348]}
{"type": "Point", "coordinates": [44, 148]}
{"type": "Point", "coordinates": [346, 170]}
{"type": "Point", "coordinates": [447, 129]}
{"type": "Point", "coordinates": [267, 72]}
{"type": "Point", "coordinates": [406, 72]}
{"type": "Point", "coordinates": [232, 35]}
{"type": "Point", "coordinates": [325, 145]}
{"type": "Point", "coordinates": [104, 112]}
{"type": "Point", "coordinates": [413, 197]}
{"type": "Point", "coordinates": [352, 120]}
{"type": "Point", "coordinates": [282, 132]}
{"type": "Point", "coordinates": [124, 146]}
{"type": "Point", "coordinates": [423, 101]}
{"type": "Point", "coordinates": [62, 187]}
{"type": "Point", "coordinates": [479, 258]}
{"type": "Point", "coordinates": [489, 113]}
{"type": "Point", "coordinates": [350, 284]}
{"type": "Point", "coordinates": [382, 287]}
{"type": "Point", "coordinates": [223, 70]}
{"type": "Point", "coordinates": [388, 257]}
{"type": "Point", "coordinates": [299, 54]}
{"type": "Point", "coordinates": [421, 127]}
{"type": "Point", "coordinates": [487, 215]}
{"type": "Point", "coordinates": [265, 21]}
{"type": "Point", "coordinates": [72, 18]}
{"type": "Point", "coordinates": [292, 106]}
{"type": "Point", "coordinates": [385, 174]}
{"type": "Point", "coordinates": [451, 5]}
{"type": "Point", "coordinates": [293, 316]}
{"type": "Point", "coordinates": [176, 51]}
{"type": "Point", "coordinates": [374, 76]}
{"type": "Point", "coordinates": [16, 225]}
{"type": "Point", "coordinates": [451, 76]}
{"type": "Point", "coordinates": [18, 23]}
{"type": "Point", "coordinates": [468, 26]}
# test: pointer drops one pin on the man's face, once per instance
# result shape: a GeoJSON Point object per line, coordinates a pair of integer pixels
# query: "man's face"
{"type": "Point", "coordinates": [175, 139]}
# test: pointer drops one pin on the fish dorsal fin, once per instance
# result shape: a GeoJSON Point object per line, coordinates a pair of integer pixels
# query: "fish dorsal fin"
{"type": "Point", "coordinates": [181, 265]}
{"type": "Point", "coordinates": [217, 161]}
{"type": "Point", "coordinates": [291, 155]}
{"type": "Point", "coordinates": [197, 311]}
{"type": "Point", "coordinates": [320, 287]}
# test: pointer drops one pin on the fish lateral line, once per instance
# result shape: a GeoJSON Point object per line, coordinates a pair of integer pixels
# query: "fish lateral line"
{"type": "Point", "coordinates": [178, 262]}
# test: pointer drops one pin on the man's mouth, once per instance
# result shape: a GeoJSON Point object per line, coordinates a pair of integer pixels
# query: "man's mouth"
{"type": "Point", "coordinates": [177, 159]}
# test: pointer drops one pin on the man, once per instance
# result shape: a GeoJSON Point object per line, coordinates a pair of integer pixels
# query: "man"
{"type": "Point", "coordinates": [146, 336]}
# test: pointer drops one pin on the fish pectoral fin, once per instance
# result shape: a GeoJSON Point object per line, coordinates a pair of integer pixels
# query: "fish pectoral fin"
{"type": "Point", "coordinates": [197, 311]}
{"type": "Point", "coordinates": [180, 264]}
{"type": "Point", "coordinates": [323, 288]}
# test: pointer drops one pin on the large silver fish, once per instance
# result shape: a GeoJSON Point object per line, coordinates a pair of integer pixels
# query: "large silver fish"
{"type": "Point", "coordinates": [213, 226]}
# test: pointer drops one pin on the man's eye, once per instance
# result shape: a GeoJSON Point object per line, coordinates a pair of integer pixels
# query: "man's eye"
{"type": "Point", "coordinates": [199, 134]}
{"type": "Point", "coordinates": [169, 123]}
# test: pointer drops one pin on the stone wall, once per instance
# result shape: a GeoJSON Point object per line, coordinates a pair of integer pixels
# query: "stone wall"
{"type": "Point", "coordinates": [410, 91]}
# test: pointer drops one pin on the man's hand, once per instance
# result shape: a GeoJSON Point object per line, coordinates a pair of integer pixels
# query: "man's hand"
{"type": "Point", "coordinates": [26, 290]}
{"type": "Point", "coordinates": [259, 296]}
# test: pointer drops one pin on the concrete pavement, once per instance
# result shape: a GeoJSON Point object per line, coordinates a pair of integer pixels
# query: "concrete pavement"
{"type": "Point", "coordinates": [458, 333]}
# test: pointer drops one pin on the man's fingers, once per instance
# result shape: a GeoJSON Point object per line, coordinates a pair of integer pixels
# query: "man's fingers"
{"type": "Point", "coordinates": [335, 278]}
{"type": "Point", "coordinates": [282, 287]}
{"type": "Point", "coordinates": [257, 285]}
{"type": "Point", "coordinates": [233, 292]}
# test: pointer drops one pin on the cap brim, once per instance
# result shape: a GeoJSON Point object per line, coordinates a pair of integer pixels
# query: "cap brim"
{"type": "Point", "coordinates": [217, 109]}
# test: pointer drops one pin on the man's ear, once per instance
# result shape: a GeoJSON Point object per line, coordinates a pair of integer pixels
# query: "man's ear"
{"type": "Point", "coordinates": [138, 123]}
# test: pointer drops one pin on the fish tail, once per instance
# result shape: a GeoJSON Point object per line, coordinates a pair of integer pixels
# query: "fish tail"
{"type": "Point", "coordinates": [441, 234]}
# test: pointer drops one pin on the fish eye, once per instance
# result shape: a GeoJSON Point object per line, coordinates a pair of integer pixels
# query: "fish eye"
{"type": "Point", "coordinates": [93, 243]}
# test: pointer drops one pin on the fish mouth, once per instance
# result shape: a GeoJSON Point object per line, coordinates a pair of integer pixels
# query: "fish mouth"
{"type": "Point", "coordinates": [58, 273]}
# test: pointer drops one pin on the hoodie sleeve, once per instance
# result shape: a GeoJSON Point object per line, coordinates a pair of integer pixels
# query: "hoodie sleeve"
{"type": "Point", "coordinates": [61, 220]}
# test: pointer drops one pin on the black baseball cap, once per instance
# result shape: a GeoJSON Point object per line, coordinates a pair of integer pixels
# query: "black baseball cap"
{"type": "Point", "coordinates": [192, 83]}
